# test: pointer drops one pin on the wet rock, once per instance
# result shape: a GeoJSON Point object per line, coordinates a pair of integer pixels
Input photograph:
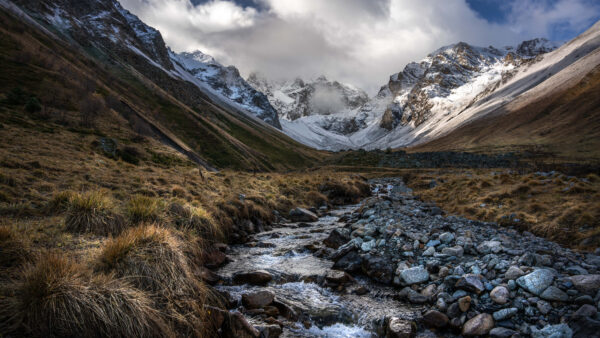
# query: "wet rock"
{"type": "Point", "coordinates": [345, 249]}
{"type": "Point", "coordinates": [213, 258]}
{"type": "Point", "coordinates": [505, 313]}
{"type": "Point", "coordinates": [434, 318]}
{"type": "Point", "coordinates": [378, 268]}
{"type": "Point", "coordinates": [478, 325]}
{"type": "Point", "coordinates": [337, 277]}
{"type": "Point", "coordinates": [464, 303]}
{"type": "Point", "coordinates": [302, 215]}
{"type": "Point", "coordinates": [337, 238]}
{"type": "Point", "coordinates": [285, 310]}
{"type": "Point", "coordinates": [589, 284]}
{"type": "Point", "coordinates": [552, 331]}
{"type": "Point", "coordinates": [259, 299]}
{"type": "Point", "coordinates": [271, 311]}
{"type": "Point", "coordinates": [351, 262]}
{"type": "Point", "coordinates": [500, 295]}
{"type": "Point", "coordinates": [259, 277]}
{"type": "Point", "coordinates": [453, 310]}
{"type": "Point", "coordinates": [413, 275]}
{"type": "Point", "coordinates": [502, 332]}
{"type": "Point", "coordinates": [470, 283]}
{"type": "Point", "coordinates": [513, 273]}
{"type": "Point", "coordinates": [537, 281]}
{"type": "Point", "coordinates": [270, 331]}
{"type": "Point", "coordinates": [399, 328]}
{"type": "Point", "coordinates": [553, 293]}
{"type": "Point", "coordinates": [208, 277]}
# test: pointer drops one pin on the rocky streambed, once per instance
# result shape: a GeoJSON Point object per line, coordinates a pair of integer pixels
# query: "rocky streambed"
{"type": "Point", "coordinates": [397, 267]}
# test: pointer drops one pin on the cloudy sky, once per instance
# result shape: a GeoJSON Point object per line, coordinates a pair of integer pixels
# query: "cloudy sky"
{"type": "Point", "coordinates": [360, 42]}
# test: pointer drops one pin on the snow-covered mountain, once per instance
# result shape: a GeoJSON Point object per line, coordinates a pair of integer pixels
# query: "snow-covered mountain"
{"type": "Point", "coordinates": [425, 99]}
{"type": "Point", "coordinates": [226, 82]}
{"type": "Point", "coordinates": [106, 25]}
{"type": "Point", "coordinates": [297, 98]}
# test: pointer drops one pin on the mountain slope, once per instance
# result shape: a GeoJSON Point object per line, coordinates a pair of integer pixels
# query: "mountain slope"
{"type": "Point", "coordinates": [552, 106]}
{"type": "Point", "coordinates": [117, 56]}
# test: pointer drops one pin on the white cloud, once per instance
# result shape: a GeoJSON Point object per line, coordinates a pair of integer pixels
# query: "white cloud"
{"type": "Point", "coordinates": [361, 42]}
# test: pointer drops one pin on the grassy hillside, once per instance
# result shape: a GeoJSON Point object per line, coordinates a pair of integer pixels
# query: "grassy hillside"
{"type": "Point", "coordinates": [564, 127]}
{"type": "Point", "coordinates": [64, 77]}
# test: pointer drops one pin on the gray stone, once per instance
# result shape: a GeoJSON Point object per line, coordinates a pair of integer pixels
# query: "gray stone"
{"type": "Point", "coordinates": [489, 247]}
{"type": "Point", "coordinates": [399, 328]}
{"type": "Point", "coordinates": [429, 251]}
{"type": "Point", "coordinates": [453, 251]}
{"type": "Point", "coordinates": [544, 307]}
{"type": "Point", "coordinates": [585, 310]}
{"type": "Point", "coordinates": [505, 313]}
{"type": "Point", "coordinates": [500, 294]}
{"type": "Point", "coordinates": [368, 246]}
{"type": "Point", "coordinates": [413, 275]}
{"type": "Point", "coordinates": [552, 331]}
{"type": "Point", "coordinates": [256, 300]}
{"type": "Point", "coordinates": [302, 215]}
{"type": "Point", "coordinates": [589, 284]}
{"type": "Point", "coordinates": [502, 332]}
{"type": "Point", "coordinates": [478, 325]}
{"type": "Point", "coordinates": [470, 283]}
{"type": "Point", "coordinates": [537, 281]}
{"type": "Point", "coordinates": [446, 237]}
{"type": "Point", "coordinates": [553, 293]}
{"type": "Point", "coordinates": [513, 273]}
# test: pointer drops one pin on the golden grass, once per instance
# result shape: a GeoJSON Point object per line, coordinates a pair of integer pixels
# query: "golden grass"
{"type": "Point", "coordinates": [564, 209]}
{"type": "Point", "coordinates": [142, 208]}
{"type": "Point", "coordinates": [14, 248]}
{"type": "Point", "coordinates": [55, 297]}
{"type": "Point", "coordinates": [92, 212]}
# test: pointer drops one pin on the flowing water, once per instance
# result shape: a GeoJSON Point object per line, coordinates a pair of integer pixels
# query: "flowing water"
{"type": "Point", "coordinates": [297, 278]}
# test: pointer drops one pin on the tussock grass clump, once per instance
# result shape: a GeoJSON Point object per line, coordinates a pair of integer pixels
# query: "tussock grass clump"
{"type": "Point", "coordinates": [197, 219]}
{"type": "Point", "coordinates": [56, 298]}
{"type": "Point", "coordinates": [342, 192]}
{"type": "Point", "coordinates": [142, 208]}
{"type": "Point", "coordinates": [59, 202]}
{"type": "Point", "coordinates": [14, 249]}
{"type": "Point", "coordinates": [92, 212]}
{"type": "Point", "coordinates": [153, 260]}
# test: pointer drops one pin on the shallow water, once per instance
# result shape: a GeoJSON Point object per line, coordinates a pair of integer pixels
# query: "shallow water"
{"type": "Point", "coordinates": [296, 272]}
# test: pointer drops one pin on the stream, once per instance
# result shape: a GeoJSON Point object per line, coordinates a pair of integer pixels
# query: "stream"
{"type": "Point", "coordinates": [289, 253]}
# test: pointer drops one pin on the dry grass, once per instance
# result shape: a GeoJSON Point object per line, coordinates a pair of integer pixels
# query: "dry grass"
{"type": "Point", "coordinates": [142, 208]}
{"type": "Point", "coordinates": [56, 298]}
{"type": "Point", "coordinates": [564, 209]}
{"type": "Point", "coordinates": [152, 259]}
{"type": "Point", "coordinates": [93, 212]}
{"type": "Point", "coordinates": [14, 248]}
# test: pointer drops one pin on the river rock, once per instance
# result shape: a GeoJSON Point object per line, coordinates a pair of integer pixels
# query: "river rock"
{"type": "Point", "coordinates": [552, 331]}
{"type": "Point", "coordinates": [589, 284]}
{"type": "Point", "coordinates": [478, 325]}
{"type": "Point", "coordinates": [429, 251]}
{"type": "Point", "coordinates": [543, 306]}
{"type": "Point", "coordinates": [337, 277]}
{"type": "Point", "coordinates": [470, 283]}
{"type": "Point", "coordinates": [256, 300]}
{"type": "Point", "coordinates": [446, 237]}
{"type": "Point", "coordinates": [464, 303]}
{"type": "Point", "coordinates": [513, 273]}
{"type": "Point", "coordinates": [500, 294]}
{"type": "Point", "coordinates": [213, 258]}
{"type": "Point", "coordinates": [270, 331]}
{"type": "Point", "coordinates": [434, 318]}
{"type": "Point", "coordinates": [378, 268]}
{"type": "Point", "coordinates": [236, 326]}
{"type": "Point", "coordinates": [259, 277]}
{"type": "Point", "coordinates": [453, 251]}
{"type": "Point", "coordinates": [399, 328]}
{"type": "Point", "coordinates": [505, 313]}
{"type": "Point", "coordinates": [413, 275]}
{"type": "Point", "coordinates": [537, 281]}
{"type": "Point", "coordinates": [302, 215]}
{"type": "Point", "coordinates": [502, 332]}
{"type": "Point", "coordinates": [351, 262]}
{"type": "Point", "coordinates": [337, 238]}
{"type": "Point", "coordinates": [489, 247]}
{"type": "Point", "coordinates": [553, 293]}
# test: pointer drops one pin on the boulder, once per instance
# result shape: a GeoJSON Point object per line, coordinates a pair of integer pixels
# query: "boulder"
{"type": "Point", "coordinates": [302, 215]}
{"type": "Point", "coordinates": [434, 318]}
{"type": "Point", "coordinates": [399, 328]}
{"type": "Point", "coordinates": [257, 300]}
{"type": "Point", "coordinates": [337, 238]}
{"type": "Point", "coordinates": [413, 275]}
{"type": "Point", "coordinates": [500, 294]}
{"type": "Point", "coordinates": [470, 283]}
{"type": "Point", "coordinates": [258, 277]}
{"type": "Point", "coordinates": [537, 281]}
{"type": "Point", "coordinates": [337, 277]}
{"type": "Point", "coordinates": [478, 325]}
{"type": "Point", "coordinates": [351, 262]}
{"type": "Point", "coordinates": [589, 284]}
